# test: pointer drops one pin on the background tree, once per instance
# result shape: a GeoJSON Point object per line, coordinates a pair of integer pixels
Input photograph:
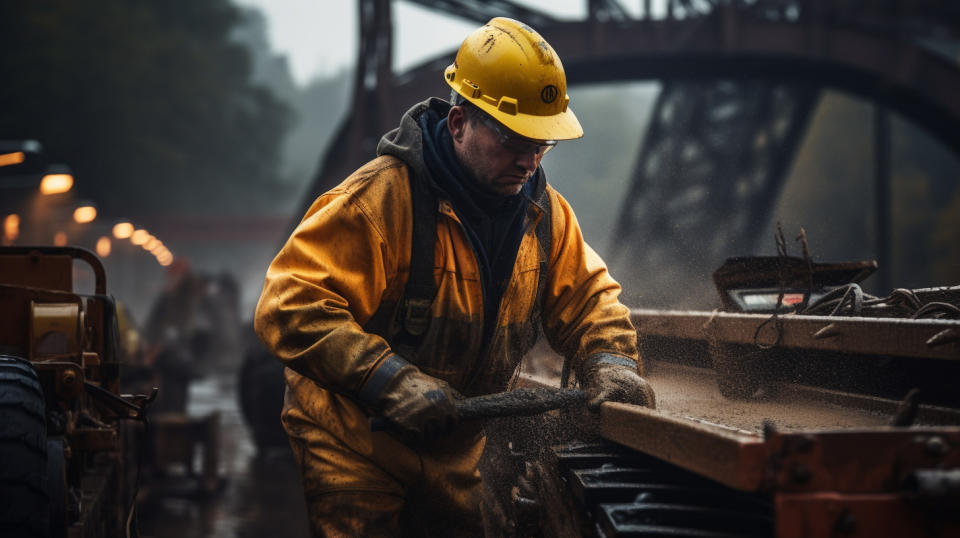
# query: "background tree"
{"type": "Point", "coordinates": [149, 101]}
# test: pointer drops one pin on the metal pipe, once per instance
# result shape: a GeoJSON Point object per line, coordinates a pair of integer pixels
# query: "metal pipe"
{"type": "Point", "coordinates": [881, 154]}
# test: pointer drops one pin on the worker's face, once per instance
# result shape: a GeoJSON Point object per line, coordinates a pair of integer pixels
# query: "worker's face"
{"type": "Point", "coordinates": [499, 164]}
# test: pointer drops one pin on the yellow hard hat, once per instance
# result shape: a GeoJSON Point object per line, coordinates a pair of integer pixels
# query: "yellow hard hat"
{"type": "Point", "coordinates": [507, 70]}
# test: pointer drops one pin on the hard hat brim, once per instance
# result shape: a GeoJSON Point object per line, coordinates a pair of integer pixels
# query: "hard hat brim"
{"type": "Point", "coordinates": [563, 126]}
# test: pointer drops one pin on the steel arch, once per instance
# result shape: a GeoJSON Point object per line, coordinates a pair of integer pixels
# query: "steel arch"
{"type": "Point", "coordinates": [873, 48]}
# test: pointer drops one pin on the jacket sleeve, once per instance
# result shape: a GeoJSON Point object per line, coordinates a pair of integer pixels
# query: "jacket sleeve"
{"type": "Point", "coordinates": [327, 280]}
{"type": "Point", "coordinates": [582, 315]}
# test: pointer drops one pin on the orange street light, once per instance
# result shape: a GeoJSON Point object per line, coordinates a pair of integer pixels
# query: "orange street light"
{"type": "Point", "coordinates": [122, 230]}
{"type": "Point", "coordinates": [11, 227]}
{"type": "Point", "coordinates": [10, 159]}
{"type": "Point", "coordinates": [85, 213]}
{"type": "Point", "coordinates": [103, 246]}
{"type": "Point", "coordinates": [139, 237]}
{"type": "Point", "coordinates": [60, 239]}
{"type": "Point", "coordinates": [151, 243]}
{"type": "Point", "coordinates": [57, 180]}
{"type": "Point", "coordinates": [56, 183]}
{"type": "Point", "coordinates": [14, 152]}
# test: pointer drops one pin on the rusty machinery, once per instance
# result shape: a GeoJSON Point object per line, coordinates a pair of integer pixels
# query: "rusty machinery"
{"type": "Point", "coordinates": [67, 469]}
{"type": "Point", "coordinates": [840, 421]}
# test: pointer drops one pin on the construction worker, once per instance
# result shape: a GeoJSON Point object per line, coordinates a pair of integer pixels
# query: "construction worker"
{"type": "Point", "coordinates": [424, 278]}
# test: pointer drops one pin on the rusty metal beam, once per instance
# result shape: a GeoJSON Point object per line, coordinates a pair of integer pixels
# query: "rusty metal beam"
{"type": "Point", "coordinates": [483, 11]}
{"type": "Point", "coordinates": [709, 172]}
{"type": "Point", "coordinates": [908, 78]}
{"type": "Point", "coordinates": [604, 10]}
{"type": "Point", "coordinates": [902, 74]}
{"type": "Point", "coordinates": [920, 338]}
{"type": "Point", "coordinates": [733, 457]}
{"type": "Point", "coordinates": [793, 462]}
{"type": "Point", "coordinates": [729, 43]}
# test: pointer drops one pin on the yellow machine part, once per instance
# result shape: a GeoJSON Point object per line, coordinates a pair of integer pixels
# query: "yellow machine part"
{"type": "Point", "coordinates": [55, 329]}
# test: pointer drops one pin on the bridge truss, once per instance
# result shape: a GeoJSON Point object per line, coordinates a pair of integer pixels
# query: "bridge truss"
{"type": "Point", "coordinates": [740, 80]}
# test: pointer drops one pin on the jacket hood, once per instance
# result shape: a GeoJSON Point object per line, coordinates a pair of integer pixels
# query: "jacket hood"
{"type": "Point", "coordinates": [405, 142]}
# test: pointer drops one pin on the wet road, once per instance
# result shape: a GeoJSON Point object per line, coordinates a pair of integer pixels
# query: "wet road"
{"type": "Point", "coordinates": [258, 495]}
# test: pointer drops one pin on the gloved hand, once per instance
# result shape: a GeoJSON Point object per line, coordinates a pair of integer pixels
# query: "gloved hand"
{"type": "Point", "coordinates": [608, 378]}
{"type": "Point", "coordinates": [419, 405]}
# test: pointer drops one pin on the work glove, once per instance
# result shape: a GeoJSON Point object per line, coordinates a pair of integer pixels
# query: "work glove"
{"type": "Point", "coordinates": [609, 378]}
{"type": "Point", "coordinates": [419, 406]}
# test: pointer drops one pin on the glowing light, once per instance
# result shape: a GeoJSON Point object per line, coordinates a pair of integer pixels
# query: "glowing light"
{"type": "Point", "coordinates": [11, 227]}
{"type": "Point", "coordinates": [103, 246]}
{"type": "Point", "coordinates": [122, 230]}
{"type": "Point", "coordinates": [157, 248]}
{"type": "Point", "coordinates": [9, 159]}
{"type": "Point", "coordinates": [56, 183]}
{"type": "Point", "coordinates": [166, 261]}
{"type": "Point", "coordinates": [151, 243]}
{"type": "Point", "coordinates": [84, 214]}
{"type": "Point", "coordinates": [139, 237]}
{"type": "Point", "coordinates": [60, 239]}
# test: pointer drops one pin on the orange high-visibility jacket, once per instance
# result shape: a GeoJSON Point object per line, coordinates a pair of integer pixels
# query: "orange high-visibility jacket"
{"type": "Point", "coordinates": [349, 258]}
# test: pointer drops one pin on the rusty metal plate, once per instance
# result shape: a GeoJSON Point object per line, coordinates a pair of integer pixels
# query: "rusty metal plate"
{"type": "Point", "coordinates": [927, 415]}
{"type": "Point", "coordinates": [876, 460]}
{"type": "Point", "coordinates": [689, 392]}
{"type": "Point", "coordinates": [922, 338]}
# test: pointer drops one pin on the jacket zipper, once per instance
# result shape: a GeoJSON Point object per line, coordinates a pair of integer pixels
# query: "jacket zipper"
{"type": "Point", "coordinates": [484, 357]}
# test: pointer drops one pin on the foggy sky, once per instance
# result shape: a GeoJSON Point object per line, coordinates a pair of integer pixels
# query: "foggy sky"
{"type": "Point", "coordinates": [319, 37]}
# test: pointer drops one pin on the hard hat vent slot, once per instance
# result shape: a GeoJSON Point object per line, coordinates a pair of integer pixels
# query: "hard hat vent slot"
{"type": "Point", "coordinates": [507, 105]}
{"type": "Point", "coordinates": [471, 88]}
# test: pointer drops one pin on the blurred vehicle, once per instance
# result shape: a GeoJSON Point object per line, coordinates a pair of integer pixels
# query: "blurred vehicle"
{"type": "Point", "coordinates": [67, 465]}
{"type": "Point", "coordinates": [189, 335]}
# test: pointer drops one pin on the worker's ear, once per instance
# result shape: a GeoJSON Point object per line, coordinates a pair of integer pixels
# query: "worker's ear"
{"type": "Point", "coordinates": [457, 123]}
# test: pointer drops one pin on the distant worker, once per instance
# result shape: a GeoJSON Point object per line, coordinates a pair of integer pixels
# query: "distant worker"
{"type": "Point", "coordinates": [425, 277]}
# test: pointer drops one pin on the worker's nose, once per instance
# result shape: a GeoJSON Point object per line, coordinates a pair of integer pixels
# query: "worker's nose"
{"type": "Point", "coordinates": [528, 161]}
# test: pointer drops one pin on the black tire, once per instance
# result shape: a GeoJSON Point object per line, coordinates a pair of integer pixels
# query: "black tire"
{"type": "Point", "coordinates": [24, 512]}
{"type": "Point", "coordinates": [57, 486]}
